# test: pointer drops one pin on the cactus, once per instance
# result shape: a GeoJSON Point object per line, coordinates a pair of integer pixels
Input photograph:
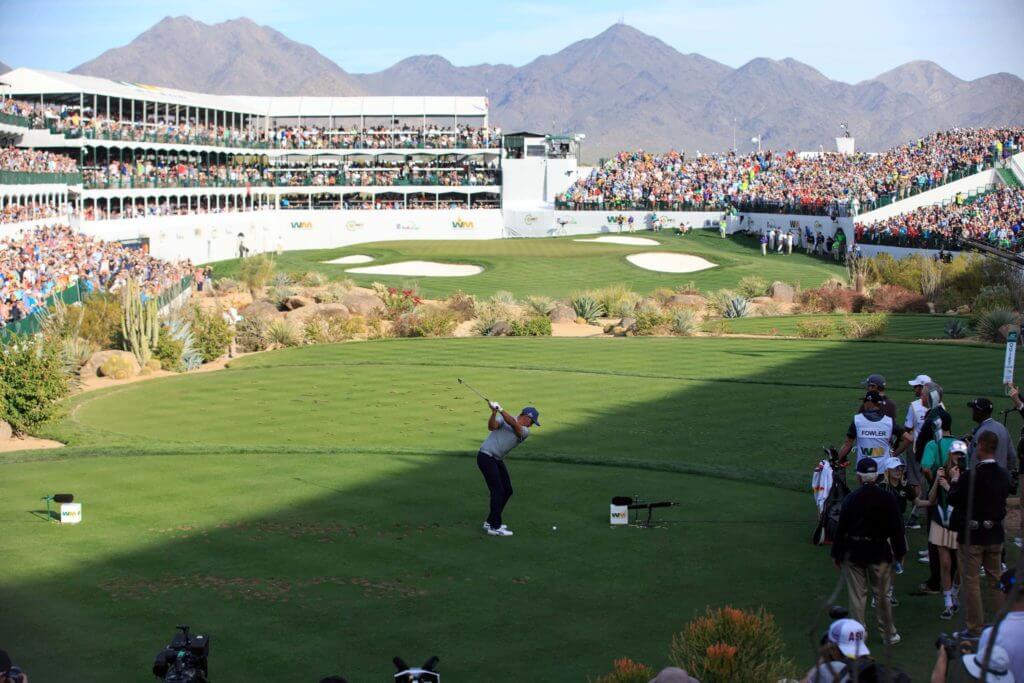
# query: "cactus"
{"type": "Point", "coordinates": [139, 327]}
{"type": "Point", "coordinates": [736, 307]}
{"type": "Point", "coordinates": [587, 307]}
{"type": "Point", "coordinates": [956, 329]}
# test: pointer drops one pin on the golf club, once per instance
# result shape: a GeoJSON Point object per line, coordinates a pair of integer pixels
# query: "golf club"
{"type": "Point", "coordinates": [467, 384]}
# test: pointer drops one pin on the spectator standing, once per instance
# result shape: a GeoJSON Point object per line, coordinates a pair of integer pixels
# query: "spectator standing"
{"type": "Point", "coordinates": [941, 460]}
{"type": "Point", "coordinates": [869, 538]}
{"type": "Point", "coordinates": [981, 413]}
{"type": "Point", "coordinates": [979, 535]}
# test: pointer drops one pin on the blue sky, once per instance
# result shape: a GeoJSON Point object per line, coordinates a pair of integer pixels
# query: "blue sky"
{"type": "Point", "coordinates": [849, 41]}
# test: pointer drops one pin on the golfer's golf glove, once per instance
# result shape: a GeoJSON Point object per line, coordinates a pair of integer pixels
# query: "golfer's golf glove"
{"type": "Point", "coordinates": [494, 405]}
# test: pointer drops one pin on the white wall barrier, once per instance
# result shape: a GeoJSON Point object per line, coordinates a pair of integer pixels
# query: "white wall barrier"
{"type": "Point", "coordinates": [547, 222]}
{"type": "Point", "coordinates": [942, 193]}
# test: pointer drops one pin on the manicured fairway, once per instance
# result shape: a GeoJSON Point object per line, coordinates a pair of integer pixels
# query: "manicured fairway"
{"type": "Point", "coordinates": [903, 326]}
{"type": "Point", "coordinates": [557, 267]}
{"type": "Point", "coordinates": [317, 510]}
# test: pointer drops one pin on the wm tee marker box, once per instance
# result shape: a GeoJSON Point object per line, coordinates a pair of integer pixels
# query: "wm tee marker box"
{"type": "Point", "coordinates": [70, 513]}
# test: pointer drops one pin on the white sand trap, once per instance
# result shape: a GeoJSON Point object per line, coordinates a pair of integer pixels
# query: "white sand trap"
{"type": "Point", "coordinates": [354, 258]}
{"type": "Point", "coordinates": [635, 241]}
{"type": "Point", "coordinates": [669, 263]}
{"type": "Point", "coordinates": [420, 268]}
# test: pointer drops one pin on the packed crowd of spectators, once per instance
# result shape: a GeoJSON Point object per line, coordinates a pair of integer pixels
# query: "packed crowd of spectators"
{"type": "Point", "coordinates": [46, 260]}
{"type": "Point", "coordinates": [147, 173]}
{"type": "Point", "coordinates": [35, 161]}
{"type": "Point", "coordinates": [385, 137]}
{"type": "Point", "coordinates": [996, 218]}
{"type": "Point", "coordinates": [29, 211]}
{"type": "Point", "coordinates": [788, 182]}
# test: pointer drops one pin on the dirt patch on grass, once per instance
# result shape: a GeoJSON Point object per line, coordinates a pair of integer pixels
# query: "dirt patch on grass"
{"type": "Point", "coordinates": [27, 443]}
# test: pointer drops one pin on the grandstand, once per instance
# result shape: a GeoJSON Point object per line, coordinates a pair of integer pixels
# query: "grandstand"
{"type": "Point", "coordinates": [199, 176]}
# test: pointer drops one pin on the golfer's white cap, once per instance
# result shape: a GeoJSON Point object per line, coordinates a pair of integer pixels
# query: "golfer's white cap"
{"type": "Point", "coordinates": [920, 381]}
{"type": "Point", "coordinates": [958, 446]}
{"type": "Point", "coordinates": [849, 636]}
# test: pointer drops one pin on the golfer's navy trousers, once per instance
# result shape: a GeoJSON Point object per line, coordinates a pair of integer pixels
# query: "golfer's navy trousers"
{"type": "Point", "coordinates": [498, 483]}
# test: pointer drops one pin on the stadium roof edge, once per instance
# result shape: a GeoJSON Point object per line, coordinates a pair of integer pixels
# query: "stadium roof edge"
{"type": "Point", "coordinates": [34, 82]}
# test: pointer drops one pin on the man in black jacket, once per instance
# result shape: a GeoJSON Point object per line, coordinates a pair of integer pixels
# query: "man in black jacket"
{"type": "Point", "coordinates": [869, 537]}
{"type": "Point", "coordinates": [979, 533]}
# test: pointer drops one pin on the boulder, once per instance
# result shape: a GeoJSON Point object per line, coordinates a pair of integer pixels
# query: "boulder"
{"type": "Point", "coordinates": [500, 329]}
{"type": "Point", "coordinates": [292, 303]}
{"type": "Point", "coordinates": [5, 431]}
{"type": "Point", "coordinates": [119, 365]}
{"type": "Point", "coordinates": [783, 292]}
{"type": "Point", "coordinates": [362, 303]}
{"type": "Point", "coordinates": [96, 361]}
{"type": "Point", "coordinates": [301, 315]}
{"type": "Point", "coordinates": [685, 301]}
{"type": "Point", "coordinates": [259, 309]}
{"type": "Point", "coordinates": [762, 300]}
{"type": "Point", "coordinates": [628, 324]}
{"type": "Point", "coordinates": [562, 314]}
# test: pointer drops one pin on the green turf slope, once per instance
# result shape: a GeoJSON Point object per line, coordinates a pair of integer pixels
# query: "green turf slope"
{"type": "Point", "coordinates": [557, 267]}
{"type": "Point", "coordinates": [317, 510]}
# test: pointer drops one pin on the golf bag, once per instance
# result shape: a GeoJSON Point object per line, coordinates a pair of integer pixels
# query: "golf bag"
{"type": "Point", "coordinates": [829, 485]}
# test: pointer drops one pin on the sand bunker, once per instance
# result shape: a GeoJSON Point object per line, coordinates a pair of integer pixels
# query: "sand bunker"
{"type": "Point", "coordinates": [635, 241]}
{"type": "Point", "coordinates": [354, 258]}
{"type": "Point", "coordinates": [420, 268]}
{"type": "Point", "coordinates": [669, 263]}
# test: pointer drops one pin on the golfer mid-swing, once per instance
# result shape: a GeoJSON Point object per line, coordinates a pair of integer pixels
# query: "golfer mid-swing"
{"type": "Point", "coordinates": [507, 432]}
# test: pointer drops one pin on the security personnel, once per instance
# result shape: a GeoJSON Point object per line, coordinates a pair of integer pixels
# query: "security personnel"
{"type": "Point", "coordinates": [872, 432]}
{"type": "Point", "coordinates": [869, 538]}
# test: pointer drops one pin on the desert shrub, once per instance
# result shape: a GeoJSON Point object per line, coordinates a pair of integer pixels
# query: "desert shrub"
{"type": "Point", "coordinates": [931, 279]}
{"type": "Point", "coordinates": [427, 321]}
{"type": "Point", "coordinates": [490, 312]}
{"type": "Point", "coordinates": [313, 278]}
{"type": "Point", "coordinates": [251, 333]}
{"type": "Point", "coordinates": [256, 271]}
{"type": "Point", "coordinates": [627, 671]}
{"type": "Point", "coordinates": [736, 307]}
{"type": "Point", "coordinates": [167, 352]}
{"type": "Point", "coordinates": [753, 285]}
{"type": "Point", "coordinates": [884, 269]}
{"type": "Point", "coordinates": [831, 299]}
{"type": "Point", "coordinates": [33, 380]}
{"type": "Point", "coordinates": [956, 329]}
{"type": "Point", "coordinates": [532, 326]}
{"type": "Point", "coordinates": [397, 301]}
{"type": "Point", "coordinates": [587, 307]}
{"type": "Point", "coordinates": [280, 332]}
{"type": "Point", "coordinates": [226, 285]}
{"type": "Point", "coordinates": [462, 305]}
{"type": "Point", "coordinates": [732, 645]}
{"type": "Point", "coordinates": [334, 291]}
{"type": "Point", "coordinates": [179, 327]}
{"type": "Point", "coordinates": [861, 326]}
{"type": "Point", "coordinates": [98, 319]}
{"type": "Point", "coordinates": [76, 352]}
{"type": "Point", "coordinates": [211, 333]}
{"type": "Point", "coordinates": [814, 328]}
{"type": "Point", "coordinates": [662, 294]}
{"type": "Point", "coordinates": [719, 299]}
{"type": "Point", "coordinates": [689, 288]}
{"type": "Point", "coordinates": [540, 305]}
{"type": "Point", "coordinates": [895, 299]}
{"type": "Point", "coordinates": [625, 307]}
{"type": "Point", "coordinates": [989, 298]}
{"type": "Point", "coordinates": [651, 319]}
{"type": "Point", "coordinates": [612, 297]}
{"type": "Point", "coordinates": [504, 297]}
{"type": "Point", "coordinates": [118, 367]}
{"type": "Point", "coordinates": [769, 308]}
{"type": "Point", "coordinates": [320, 329]}
{"type": "Point", "coordinates": [683, 322]}
{"type": "Point", "coordinates": [278, 293]}
{"type": "Point", "coordinates": [991, 320]}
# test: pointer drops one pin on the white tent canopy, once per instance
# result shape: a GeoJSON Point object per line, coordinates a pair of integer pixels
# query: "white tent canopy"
{"type": "Point", "coordinates": [31, 83]}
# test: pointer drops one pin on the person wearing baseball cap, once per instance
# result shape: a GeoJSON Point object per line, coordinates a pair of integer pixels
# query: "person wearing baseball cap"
{"type": "Point", "coordinates": [504, 433]}
{"type": "Point", "coordinates": [872, 432]}
{"type": "Point", "coordinates": [981, 413]}
{"type": "Point", "coordinates": [991, 665]}
{"type": "Point", "coordinates": [1010, 635]}
{"type": "Point", "coordinates": [869, 538]}
{"type": "Point", "coordinates": [916, 413]}
{"type": "Point", "coordinates": [942, 462]}
{"type": "Point", "coordinates": [876, 382]}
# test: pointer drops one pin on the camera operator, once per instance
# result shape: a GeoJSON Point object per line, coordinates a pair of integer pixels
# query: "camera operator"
{"type": "Point", "coordinates": [10, 673]}
{"type": "Point", "coordinates": [974, 666]}
{"type": "Point", "coordinates": [978, 499]}
{"type": "Point", "coordinates": [869, 537]}
{"type": "Point", "coordinates": [1010, 630]}
{"type": "Point", "coordinates": [844, 658]}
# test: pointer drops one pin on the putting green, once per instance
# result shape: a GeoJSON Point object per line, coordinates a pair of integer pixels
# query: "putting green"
{"type": "Point", "coordinates": [317, 509]}
{"type": "Point", "coordinates": [556, 267]}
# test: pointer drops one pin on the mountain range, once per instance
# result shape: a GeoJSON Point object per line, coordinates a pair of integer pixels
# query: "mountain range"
{"type": "Point", "coordinates": [623, 88]}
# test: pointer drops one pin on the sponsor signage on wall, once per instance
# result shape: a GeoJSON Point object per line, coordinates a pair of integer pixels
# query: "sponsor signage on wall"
{"type": "Point", "coordinates": [460, 224]}
{"type": "Point", "coordinates": [406, 226]}
{"type": "Point", "coordinates": [353, 226]}
{"type": "Point", "coordinates": [302, 225]}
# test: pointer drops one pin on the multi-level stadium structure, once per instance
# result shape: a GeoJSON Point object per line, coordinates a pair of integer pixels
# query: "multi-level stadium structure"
{"type": "Point", "coordinates": [282, 173]}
